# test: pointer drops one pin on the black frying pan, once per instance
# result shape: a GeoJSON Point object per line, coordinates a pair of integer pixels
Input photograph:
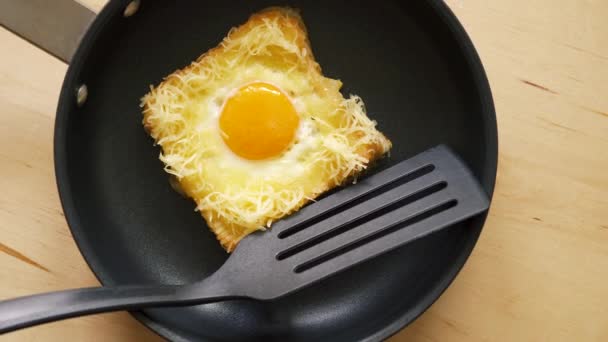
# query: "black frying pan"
{"type": "Point", "coordinates": [410, 61]}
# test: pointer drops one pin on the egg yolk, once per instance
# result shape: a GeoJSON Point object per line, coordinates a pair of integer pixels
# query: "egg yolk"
{"type": "Point", "coordinates": [258, 121]}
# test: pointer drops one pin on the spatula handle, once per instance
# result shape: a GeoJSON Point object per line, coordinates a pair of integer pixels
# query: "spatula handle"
{"type": "Point", "coordinates": [42, 308]}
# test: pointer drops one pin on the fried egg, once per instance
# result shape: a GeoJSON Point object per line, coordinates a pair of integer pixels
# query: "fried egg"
{"type": "Point", "coordinates": [252, 130]}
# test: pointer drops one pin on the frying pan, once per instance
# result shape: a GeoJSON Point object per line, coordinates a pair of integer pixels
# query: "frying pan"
{"type": "Point", "coordinates": [410, 61]}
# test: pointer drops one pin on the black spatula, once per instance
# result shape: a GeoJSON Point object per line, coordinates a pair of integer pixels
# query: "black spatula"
{"type": "Point", "coordinates": [414, 198]}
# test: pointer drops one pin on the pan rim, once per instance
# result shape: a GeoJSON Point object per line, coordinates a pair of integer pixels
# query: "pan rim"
{"type": "Point", "coordinates": [65, 105]}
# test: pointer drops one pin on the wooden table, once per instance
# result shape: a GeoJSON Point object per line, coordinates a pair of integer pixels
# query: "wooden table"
{"type": "Point", "coordinates": [540, 269]}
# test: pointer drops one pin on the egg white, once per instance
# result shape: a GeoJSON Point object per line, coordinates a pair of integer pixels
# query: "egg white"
{"type": "Point", "coordinates": [291, 161]}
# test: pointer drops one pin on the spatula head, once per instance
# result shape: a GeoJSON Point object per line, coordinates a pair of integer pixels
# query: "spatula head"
{"type": "Point", "coordinates": [408, 201]}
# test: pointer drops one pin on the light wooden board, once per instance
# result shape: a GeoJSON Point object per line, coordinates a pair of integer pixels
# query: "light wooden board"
{"type": "Point", "coordinates": [540, 269]}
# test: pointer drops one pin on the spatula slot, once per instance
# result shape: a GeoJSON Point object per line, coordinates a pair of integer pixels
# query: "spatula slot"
{"type": "Point", "coordinates": [358, 221]}
{"type": "Point", "coordinates": [357, 199]}
{"type": "Point", "coordinates": [374, 236]}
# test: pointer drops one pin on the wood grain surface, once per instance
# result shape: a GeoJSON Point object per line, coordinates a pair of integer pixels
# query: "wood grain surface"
{"type": "Point", "coordinates": [540, 269]}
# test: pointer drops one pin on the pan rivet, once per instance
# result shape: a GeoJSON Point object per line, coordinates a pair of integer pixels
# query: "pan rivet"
{"type": "Point", "coordinates": [81, 94]}
{"type": "Point", "coordinates": [131, 8]}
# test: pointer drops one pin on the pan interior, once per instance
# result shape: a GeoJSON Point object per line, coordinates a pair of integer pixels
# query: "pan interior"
{"type": "Point", "coordinates": [417, 80]}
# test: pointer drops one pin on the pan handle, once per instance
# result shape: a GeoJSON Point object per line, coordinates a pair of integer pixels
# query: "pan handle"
{"type": "Point", "coordinates": [55, 26]}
